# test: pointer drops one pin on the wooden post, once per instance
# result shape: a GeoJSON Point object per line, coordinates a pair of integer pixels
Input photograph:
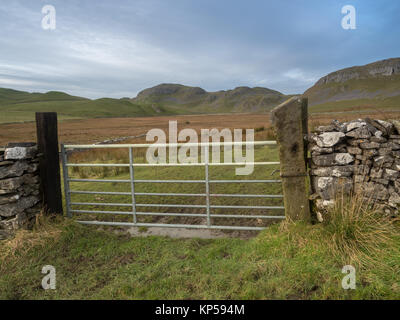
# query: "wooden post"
{"type": "Point", "coordinates": [49, 164]}
{"type": "Point", "coordinates": [290, 121]}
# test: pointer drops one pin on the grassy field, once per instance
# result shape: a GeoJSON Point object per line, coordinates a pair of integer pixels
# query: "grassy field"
{"type": "Point", "coordinates": [286, 261]}
{"type": "Point", "coordinates": [95, 130]}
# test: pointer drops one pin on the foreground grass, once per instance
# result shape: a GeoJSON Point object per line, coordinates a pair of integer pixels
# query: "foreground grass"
{"type": "Point", "coordinates": [286, 261]}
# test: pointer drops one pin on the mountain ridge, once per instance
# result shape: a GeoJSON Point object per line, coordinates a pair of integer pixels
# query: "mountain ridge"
{"type": "Point", "coordinates": [239, 99]}
{"type": "Point", "coordinates": [376, 84]}
{"type": "Point", "coordinates": [163, 99]}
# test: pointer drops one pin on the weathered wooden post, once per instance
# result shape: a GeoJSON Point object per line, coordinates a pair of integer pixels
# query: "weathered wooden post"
{"type": "Point", "coordinates": [290, 121]}
{"type": "Point", "coordinates": [49, 164]}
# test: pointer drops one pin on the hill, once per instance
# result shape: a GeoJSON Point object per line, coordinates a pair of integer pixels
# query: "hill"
{"type": "Point", "coordinates": [375, 85]}
{"type": "Point", "coordinates": [164, 99]}
{"type": "Point", "coordinates": [194, 99]}
{"type": "Point", "coordinates": [18, 106]}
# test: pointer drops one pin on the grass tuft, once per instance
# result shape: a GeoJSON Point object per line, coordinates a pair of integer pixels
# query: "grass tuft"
{"type": "Point", "coordinates": [357, 230]}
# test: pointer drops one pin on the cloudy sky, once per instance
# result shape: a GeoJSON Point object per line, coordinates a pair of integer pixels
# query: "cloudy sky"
{"type": "Point", "coordinates": [117, 48]}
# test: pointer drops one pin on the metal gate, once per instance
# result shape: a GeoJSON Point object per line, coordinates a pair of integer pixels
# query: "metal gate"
{"type": "Point", "coordinates": [208, 215]}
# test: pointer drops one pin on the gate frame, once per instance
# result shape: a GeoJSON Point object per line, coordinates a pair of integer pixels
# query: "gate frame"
{"type": "Point", "coordinates": [132, 181]}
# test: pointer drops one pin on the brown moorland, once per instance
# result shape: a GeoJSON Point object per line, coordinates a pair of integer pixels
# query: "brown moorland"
{"type": "Point", "coordinates": [100, 129]}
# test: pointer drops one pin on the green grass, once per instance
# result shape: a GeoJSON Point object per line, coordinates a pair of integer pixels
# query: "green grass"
{"type": "Point", "coordinates": [20, 106]}
{"type": "Point", "coordinates": [385, 91]}
{"type": "Point", "coordinates": [285, 261]}
{"type": "Point", "coordinates": [357, 105]}
{"type": "Point", "coordinates": [288, 261]}
{"type": "Point", "coordinates": [72, 109]}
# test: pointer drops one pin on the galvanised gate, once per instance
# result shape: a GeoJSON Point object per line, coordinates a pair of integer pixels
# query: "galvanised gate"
{"type": "Point", "coordinates": [132, 181]}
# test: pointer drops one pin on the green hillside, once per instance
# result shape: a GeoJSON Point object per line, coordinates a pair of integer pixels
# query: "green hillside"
{"type": "Point", "coordinates": [165, 99]}
{"type": "Point", "coordinates": [194, 99]}
{"type": "Point", "coordinates": [376, 85]}
{"type": "Point", "coordinates": [17, 106]}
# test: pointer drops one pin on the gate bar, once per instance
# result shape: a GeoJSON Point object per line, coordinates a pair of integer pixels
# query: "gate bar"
{"type": "Point", "coordinates": [171, 214]}
{"type": "Point", "coordinates": [187, 144]}
{"type": "Point", "coordinates": [185, 164]}
{"type": "Point", "coordinates": [101, 204]}
{"type": "Point", "coordinates": [175, 181]}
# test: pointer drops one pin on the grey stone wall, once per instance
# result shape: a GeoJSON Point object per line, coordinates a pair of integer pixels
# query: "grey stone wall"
{"type": "Point", "coordinates": [19, 187]}
{"type": "Point", "coordinates": [360, 156]}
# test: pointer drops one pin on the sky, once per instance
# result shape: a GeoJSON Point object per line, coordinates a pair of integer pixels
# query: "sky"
{"type": "Point", "coordinates": [118, 48]}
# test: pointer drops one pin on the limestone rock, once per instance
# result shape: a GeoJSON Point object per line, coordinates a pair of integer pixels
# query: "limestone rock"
{"type": "Point", "coordinates": [376, 173]}
{"type": "Point", "coordinates": [387, 125]}
{"type": "Point", "coordinates": [354, 150]}
{"type": "Point", "coordinates": [5, 163]}
{"type": "Point", "coordinates": [17, 169]}
{"type": "Point", "coordinates": [336, 171]}
{"type": "Point", "coordinates": [18, 151]}
{"type": "Point", "coordinates": [369, 145]}
{"type": "Point", "coordinates": [378, 139]}
{"type": "Point", "coordinates": [328, 187]}
{"type": "Point", "coordinates": [9, 198]}
{"type": "Point", "coordinates": [320, 150]}
{"type": "Point", "coordinates": [390, 174]}
{"type": "Point", "coordinates": [381, 181]}
{"type": "Point", "coordinates": [384, 151]}
{"type": "Point", "coordinates": [383, 161]}
{"type": "Point", "coordinates": [339, 126]}
{"type": "Point", "coordinates": [394, 199]}
{"type": "Point", "coordinates": [362, 169]}
{"type": "Point", "coordinates": [324, 204]}
{"type": "Point", "coordinates": [13, 209]}
{"type": "Point", "coordinates": [11, 184]}
{"type": "Point", "coordinates": [396, 124]}
{"type": "Point", "coordinates": [369, 153]}
{"type": "Point", "coordinates": [328, 139]}
{"type": "Point", "coordinates": [355, 125]}
{"type": "Point", "coordinates": [333, 159]}
{"type": "Point", "coordinates": [359, 133]}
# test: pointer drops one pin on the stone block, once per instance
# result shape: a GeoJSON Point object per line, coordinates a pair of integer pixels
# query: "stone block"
{"type": "Point", "coordinates": [333, 159]}
{"type": "Point", "coordinates": [19, 151]}
{"type": "Point", "coordinates": [12, 209]}
{"type": "Point", "coordinates": [336, 171]}
{"type": "Point", "coordinates": [328, 187]}
{"type": "Point", "coordinates": [359, 133]}
{"type": "Point", "coordinates": [328, 139]}
{"type": "Point", "coordinates": [354, 150]}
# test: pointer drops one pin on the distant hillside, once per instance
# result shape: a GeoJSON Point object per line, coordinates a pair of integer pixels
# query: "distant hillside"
{"type": "Point", "coordinates": [17, 106]}
{"type": "Point", "coordinates": [164, 99]}
{"type": "Point", "coordinates": [196, 100]}
{"type": "Point", "coordinates": [375, 85]}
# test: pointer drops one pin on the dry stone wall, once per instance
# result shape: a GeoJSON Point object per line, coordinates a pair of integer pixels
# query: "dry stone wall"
{"type": "Point", "coordinates": [19, 187]}
{"type": "Point", "coordinates": [360, 156]}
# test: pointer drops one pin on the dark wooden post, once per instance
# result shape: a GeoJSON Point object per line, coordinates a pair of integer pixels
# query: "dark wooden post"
{"type": "Point", "coordinates": [49, 165]}
{"type": "Point", "coordinates": [290, 124]}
